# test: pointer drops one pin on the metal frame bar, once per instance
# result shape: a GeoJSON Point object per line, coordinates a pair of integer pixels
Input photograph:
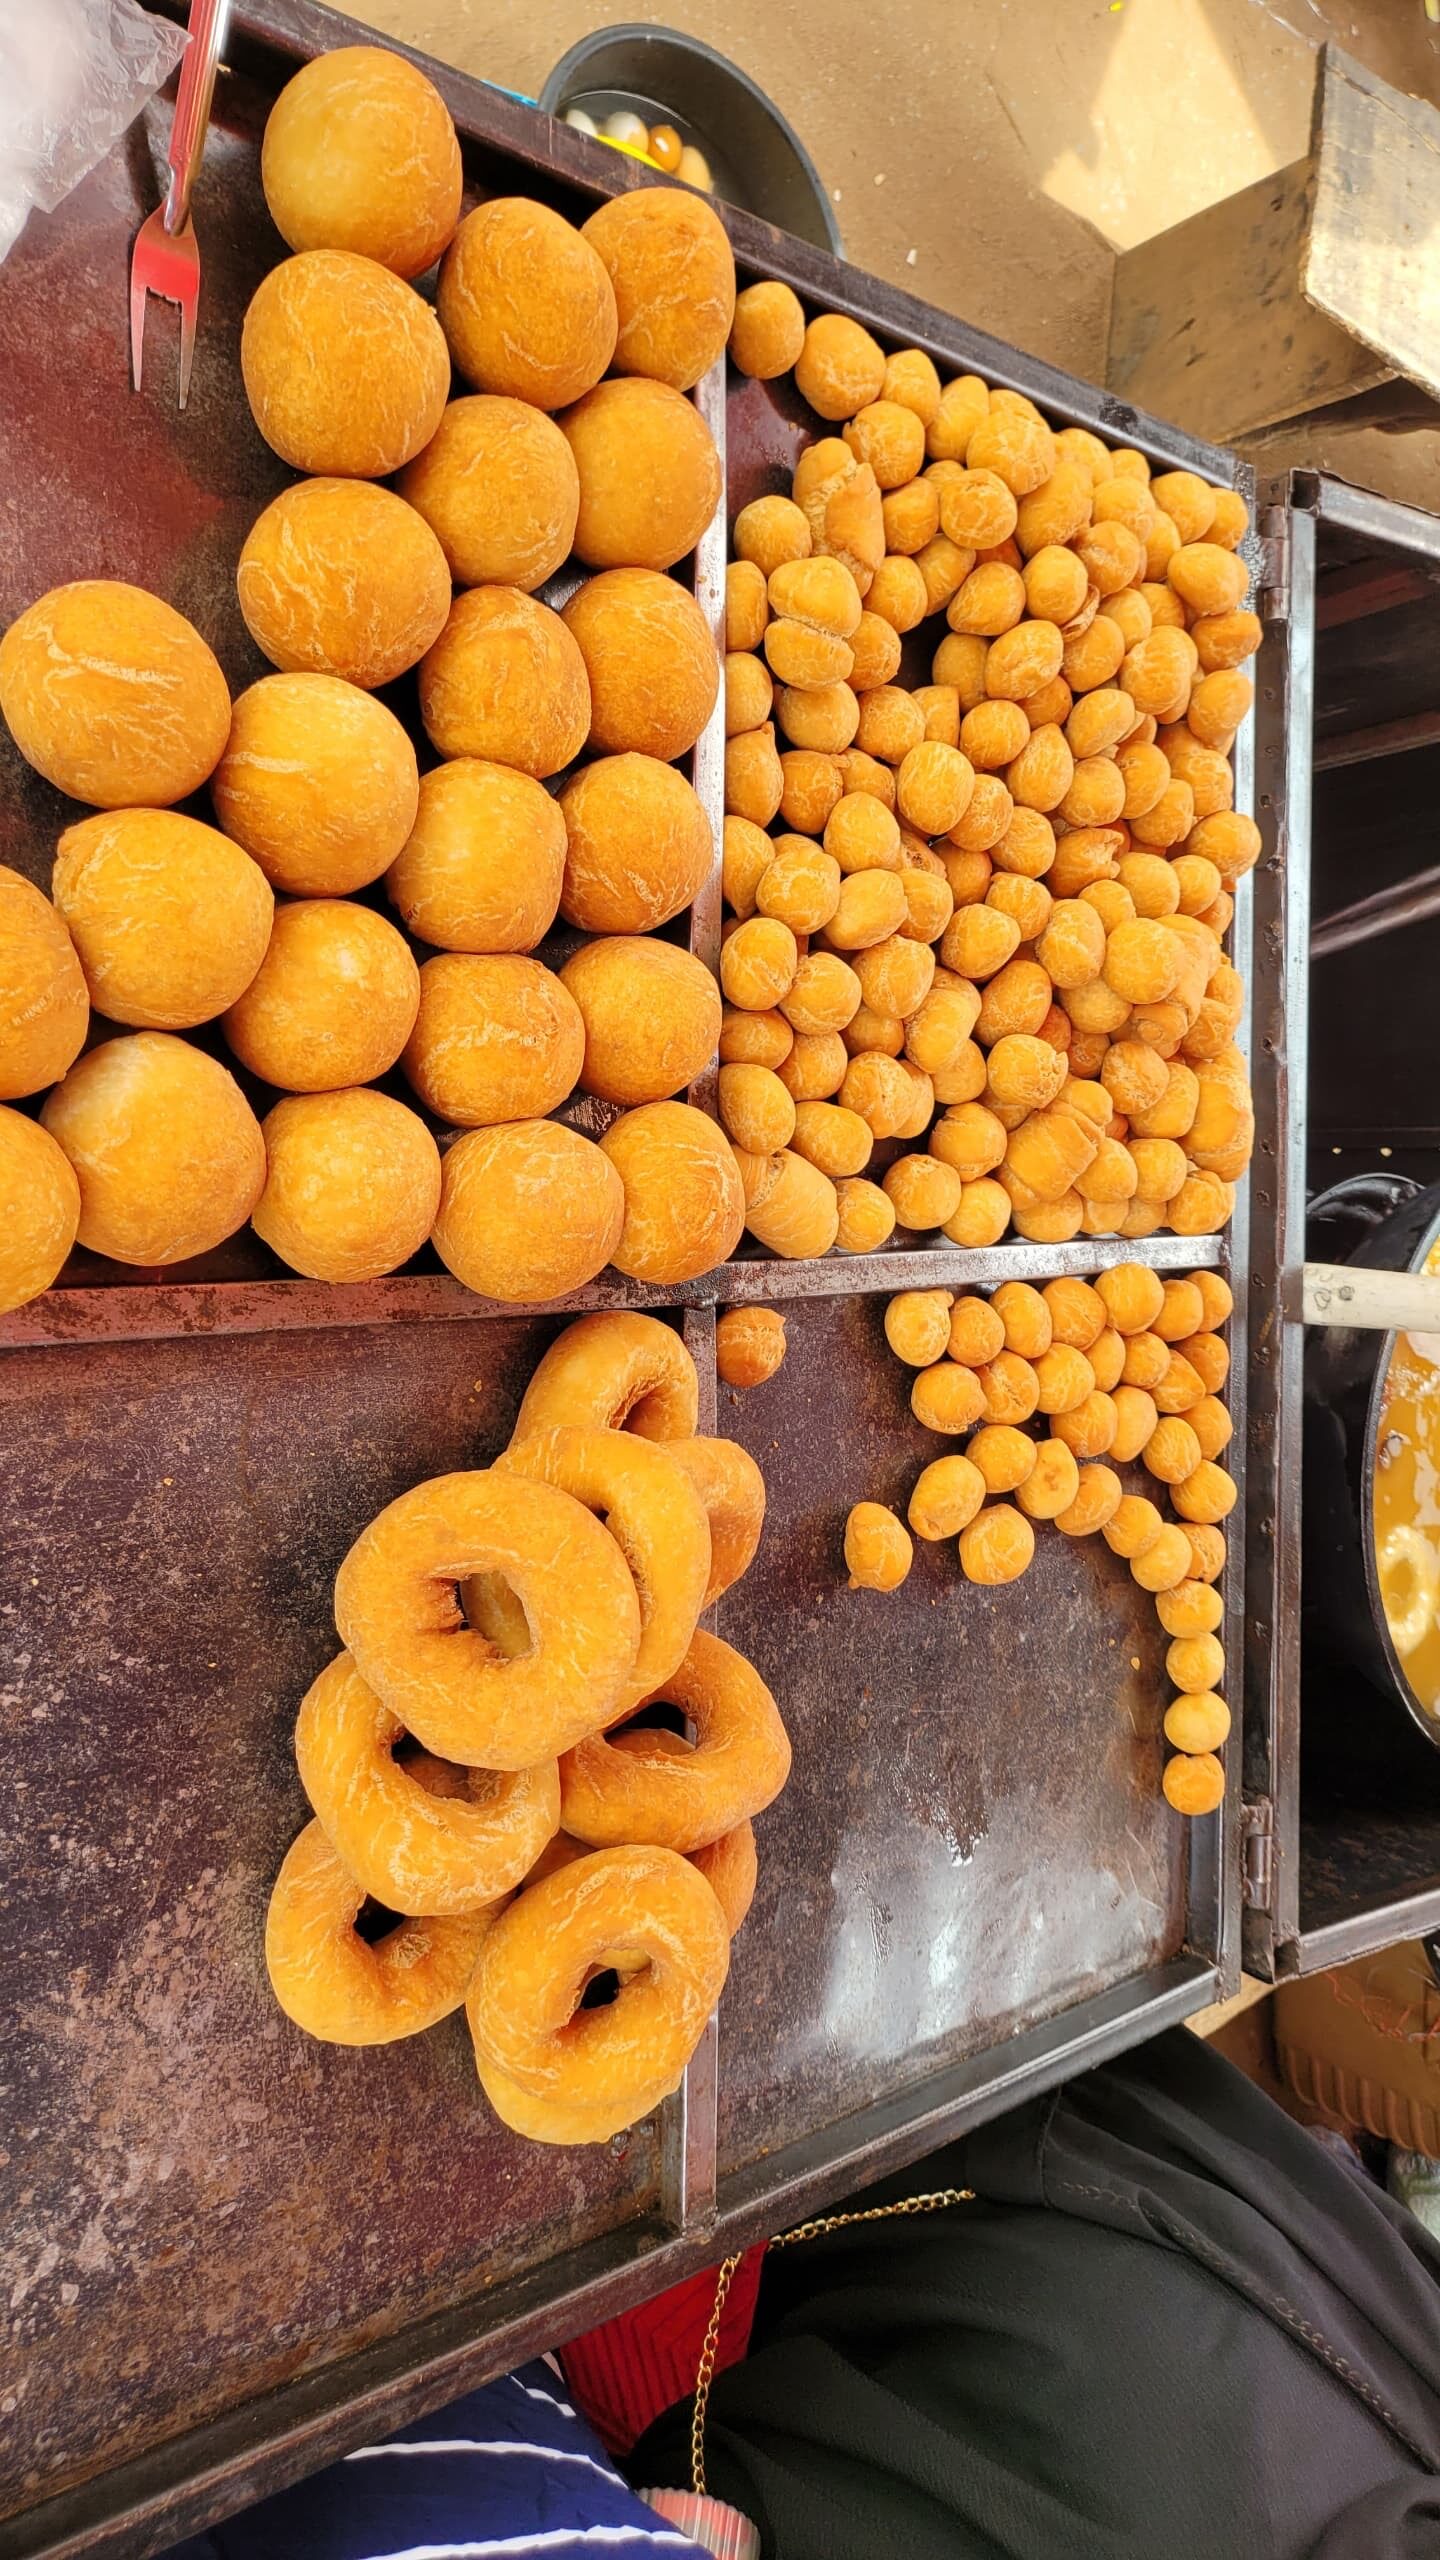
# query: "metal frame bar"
{"type": "Point", "coordinates": [1359, 511]}
{"type": "Point", "coordinates": [177, 2488]}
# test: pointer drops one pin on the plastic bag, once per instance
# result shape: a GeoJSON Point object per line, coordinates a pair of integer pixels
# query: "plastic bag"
{"type": "Point", "coordinates": [73, 75]}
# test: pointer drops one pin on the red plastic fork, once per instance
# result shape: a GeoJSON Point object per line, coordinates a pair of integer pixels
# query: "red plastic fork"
{"type": "Point", "coordinates": [166, 256]}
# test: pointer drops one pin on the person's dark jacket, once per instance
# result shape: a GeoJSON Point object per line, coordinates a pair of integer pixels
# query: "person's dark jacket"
{"type": "Point", "coordinates": [1175, 2326]}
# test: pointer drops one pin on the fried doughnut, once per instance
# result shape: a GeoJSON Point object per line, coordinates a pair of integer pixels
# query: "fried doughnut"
{"type": "Point", "coordinates": [728, 1865]}
{"type": "Point", "coordinates": [331, 1982]}
{"type": "Point", "coordinates": [563, 2074]}
{"type": "Point", "coordinates": [740, 1762]}
{"type": "Point", "coordinates": [732, 1488]}
{"type": "Point", "coordinates": [414, 1850]}
{"type": "Point", "coordinates": [657, 1519]}
{"type": "Point", "coordinates": [396, 1609]}
{"type": "Point", "coordinates": [625, 1372]}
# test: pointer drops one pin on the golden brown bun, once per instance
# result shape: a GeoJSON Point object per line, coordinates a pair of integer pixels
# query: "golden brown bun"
{"type": "Point", "coordinates": [653, 667]}
{"type": "Point", "coordinates": [649, 474]}
{"type": "Point", "coordinates": [340, 578]}
{"type": "Point", "coordinates": [112, 695]}
{"type": "Point", "coordinates": [482, 867]}
{"type": "Point", "coordinates": [360, 154]}
{"type": "Point", "coordinates": [39, 1209]}
{"type": "Point", "coordinates": [351, 1187]}
{"type": "Point", "coordinates": [345, 367]}
{"type": "Point", "coordinates": [684, 1207]}
{"type": "Point", "coordinates": [334, 1000]}
{"type": "Point", "coordinates": [506, 681]}
{"type": "Point", "coordinates": [527, 1212]}
{"type": "Point", "coordinates": [526, 304]}
{"type": "Point", "coordinates": [651, 1014]}
{"type": "Point", "coordinates": [639, 845]}
{"type": "Point", "coordinates": [169, 918]}
{"type": "Point", "coordinates": [318, 782]}
{"type": "Point", "coordinates": [767, 332]}
{"type": "Point", "coordinates": [168, 1152]}
{"type": "Point", "coordinates": [669, 261]}
{"type": "Point", "coordinates": [497, 483]}
{"type": "Point", "coordinates": [496, 1038]}
{"type": "Point", "coordinates": [44, 1010]}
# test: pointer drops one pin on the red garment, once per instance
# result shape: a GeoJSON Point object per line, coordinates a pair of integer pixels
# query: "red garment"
{"type": "Point", "coordinates": [627, 2371]}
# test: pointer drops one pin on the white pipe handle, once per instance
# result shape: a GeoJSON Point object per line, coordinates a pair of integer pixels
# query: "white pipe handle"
{"type": "Point", "coordinates": [1344, 1293]}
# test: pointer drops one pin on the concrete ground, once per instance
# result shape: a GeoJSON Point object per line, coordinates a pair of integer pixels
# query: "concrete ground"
{"type": "Point", "coordinates": [988, 154]}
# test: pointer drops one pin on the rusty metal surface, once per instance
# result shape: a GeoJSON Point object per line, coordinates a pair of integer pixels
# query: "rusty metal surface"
{"type": "Point", "coordinates": [200, 2201]}
{"type": "Point", "coordinates": [973, 1835]}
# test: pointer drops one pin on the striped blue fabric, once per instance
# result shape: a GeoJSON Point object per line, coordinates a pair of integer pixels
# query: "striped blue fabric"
{"type": "Point", "coordinates": [506, 2472]}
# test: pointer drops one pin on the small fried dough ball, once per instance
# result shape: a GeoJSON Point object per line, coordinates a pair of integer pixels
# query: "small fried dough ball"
{"type": "Point", "coordinates": [528, 1211]}
{"type": "Point", "coordinates": [1132, 1294]}
{"type": "Point", "coordinates": [1193, 1785]}
{"type": "Point", "coordinates": [1207, 1496]}
{"type": "Point", "coordinates": [1003, 1456]}
{"type": "Point", "coordinates": [1052, 1483]}
{"type": "Point", "coordinates": [1164, 1563]}
{"type": "Point", "coordinates": [649, 473]}
{"type": "Point", "coordinates": [839, 368]}
{"type": "Point", "coordinates": [947, 1397]}
{"type": "Point", "coordinates": [878, 1552]}
{"type": "Point", "coordinates": [167, 1151]}
{"type": "Point", "coordinates": [352, 1184]}
{"type": "Point", "coordinates": [1197, 1722]}
{"type": "Point", "coordinates": [360, 154]}
{"type": "Point", "coordinates": [917, 1325]}
{"type": "Point", "coordinates": [1190, 1608]}
{"type": "Point", "coordinates": [318, 782]}
{"type": "Point", "coordinates": [669, 261]}
{"type": "Point", "coordinates": [504, 681]}
{"type": "Point", "coordinates": [345, 368]}
{"type": "Point", "coordinates": [997, 1546]}
{"type": "Point", "coordinates": [638, 845]}
{"type": "Point", "coordinates": [749, 1345]}
{"type": "Point", "coordinates": [39, 1209]}
{"type": "Point", "coordinates": [767, 332]}
{"type": "Point", "coordinates": [112, 695]}
{"type": "Point", "coordinates": [866, 1219]}
{"type": "Point", "coordinates": [946, 1497]}
{"type": "Point", "coordinates": [333, 1002]}
{"type": "Point", "coordinates": [1134, 1527]}
{"type": "Point", "coordinates": [526, 305]}
{"type": "Point", "coordinates": [1098, 1496]}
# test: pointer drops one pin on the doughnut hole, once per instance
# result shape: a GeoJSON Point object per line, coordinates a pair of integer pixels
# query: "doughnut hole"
{"type": "Point", "coordinates": [1002, 1456]}
{"type": "Point", "coordinates": [1217, 706]}
{"type": "Point", "coordinates": [963, 403]}
{"type": "Point", "coordinates": [801, 886]}
{"type": "Point", "coordinates": [890, 437]}
{"type": "Point", "coordinates": [917, 1325]}
{"type": "Point", "coordinates": [352, 1184]}
{"type": "Point", "coordinates": [839, 369]}
{"type": "Point", "coordinates": [746, 608]}
{"type": "Point", "coordinates": [1217, 1297]}
{"type": "Point", "coordinates": [804, 660]}
{"type": "Point", "coordinates": [504, 681]}
{"type": "Point", "coordinates": [874, 653]}
{"type": "Point", "coordinates": [866, 1219]}
{"type": "Point", "coordinates": [1207, 578]}
{"type": "Point", "coordinates": [749, 693]}
{"type": "Point", "coordinates": [998, 1545]}
{"type": "Point", "coordinates": [946, 1497]}
{"type": "Point", "coordinates": [651, 1014]}
{"type": "Point", "coordinates": [1203, 1206]}
{"type": "Point", "coordinates": [669, 262]}
{"type": "Point", "coordinates": [1161, 1171]}
{"type": "Point", "coordinates": [832, 1138]}
{"type": "Point", "coordinates": [977, 1332]}
{"type": "Point", "coordinates": [1180, 1388]}
{"type": "Point", "coordinates": [1190, 1608]}
{"type": "Point", "coordinates": [1193, 1785]}
{"type": "Point", "coordinates": [756, 1109]}
{"type": "Point", "coordinates": [1027, 846]}
{"type": "Point", "coordinates": [753, 779]}
{"type": "Point", "coordinates": [1143, 960]}
{"type": "Point", "coordinates": [1195, 1663]}
{"type": "Point", "coordinates": [940, 704]}
{"type": "Point", "coordinates": [1172, 1452]}
{"type": "Point", "coordinates": [1182, 1311]}
{"type": "Point", "coordinates": [1096, 794]}
{"type": "Point", "coordinates": [1009, 1388]}
{"type": "Point", "coordinates": [1132, 1296]}
{"type": "Point", "coordinates": [1064, 1377]}
{"type": "Point", "coordinates": [767, 332]}
{"type": "Point", "coordinates": [1093, 657]}
{"type": "Point", "coordinates": [1025, 1073]}
{"type": "Point", "coordinates": [911, 517]}
{"type": "Point", "coordinates": [1028, 903]}
{"type": "Point", "coordinates": [333, 1002]}
{"type": "Point", "coordinates": [1231, 841]}
{"type": "Point", "coordinates": [1018, 448]}
{"type": "Point", "coordinates": [911, 379]}
{"type": "Point", "coordinates": [982, 1217]}
{"type": "Point", "coordinates": [1174, 1113]}
{"type": "Point", "coordinates": [638, 845]}
{"type": "Point", "coordinates": [1197, 1723]}
{"type": "Point", "coordinates": [341, 578]}
{"type": "Point", "coordinates": [922, 1191]}
{"type": "Point", "coordinates": [1197, 881]}
{"type": "Point", "coordinates": [1134, 1527]}
{"type": "Point", "coordinates": [797, 1216]}
{"type": "Point", "coordinates": [344, 367]}
{"type": "Point", "coordinates": [1131, 614]}
{"type": "Point", "coordinates": [934, 787]}
{"type": "Point", "coordinates": [824, 996]}
{"type": "Point", "coordinates": [811, 786]}
{"type": "Point", "coordinates": [970, 1138]}
{"type": "Point", "coordinates": [814, 1066]}
{"type": "Point", "coordinates": [990, 601]}
{"type": "Point", "coordinates": [1206, 1497]}
{"type": "Point", "coordinates": [895, 975]}
{"type": "Point", "coordinates": [1164, 1564]}
{"type": "Point", "coordinates": [878, 1550]}
{"type": "Point", "coordinates": [759, 964]}
{"type": "Point", "coordinates": [1089, 1428]}
{"type": "Point", "coordinates": [745, 858]}
{"type": "Point", "coordinates": [318, 782]}
{"type": "Point", "coordinates": [1042, 772]}
{"type": "Point", "coordinates": [1207, 1550]}
{"type": "Point", "coordinates": [1135, 1421]}
{"type": "Point", "coordinates": [1147, 1359]}
{"type": "Point", "coordinates": [870, 907]}
{"type": "Point", "coordinates": [929, 901]}
{"type": "Point", "coordinates": [649, 474]}
{"type": "Point", "coordinates": [770, 532]}
{"type": "Point", "coordinates": [825, 721]}
{"type": "Point", "coordinates": [977, 510]}
{"type": "Point", "coordinates": [947, 1398]}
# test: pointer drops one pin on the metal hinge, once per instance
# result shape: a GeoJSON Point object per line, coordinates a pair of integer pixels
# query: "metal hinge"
{"type": "Point", "coordinates": [1257, 1853]}
{"type": "Point", "coordinates": [1272, 576]}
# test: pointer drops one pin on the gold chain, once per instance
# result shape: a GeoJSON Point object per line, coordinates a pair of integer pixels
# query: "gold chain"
{"type": "Point", "coordinates": [937, 2202]}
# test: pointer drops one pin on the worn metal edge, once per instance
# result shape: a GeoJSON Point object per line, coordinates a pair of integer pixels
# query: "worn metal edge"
{"type": "Point", "coordinates": [175, 2489]}
{"type": "Point", "coordinates": [1383, 1923]}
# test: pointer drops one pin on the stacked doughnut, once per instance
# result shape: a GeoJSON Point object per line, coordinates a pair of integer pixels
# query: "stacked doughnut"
{"type": "Point", "coordinates": [986, 912]}
{"type": "Point", "coordinates": [557, 792]}
{"type": "Point", "coordinates": [485, 1761]}
{"type": "Point", "coordinates": [1127, 1367]}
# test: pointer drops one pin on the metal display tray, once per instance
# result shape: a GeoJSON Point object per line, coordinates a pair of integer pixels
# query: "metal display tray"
{"type": "Point", "coordinates": [232, 2253]}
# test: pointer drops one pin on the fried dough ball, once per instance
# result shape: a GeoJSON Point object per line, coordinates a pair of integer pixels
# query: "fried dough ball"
{"type": "Point", "coordinates": [767, 332]}
{"type": "Point", "coordinates": [1136, 1416]}
{"type": "Point", "coordinates": [1195, 1664]}
{"type": "Point", "coordinates": [1208, 579]}
{"type": "Point", "coordinates": [650, 660]}
{"type": "Point", "coordinates": [638, 845]}
{"type": "Point", "coordinates": [528, 1211]}
{"type": "Point", "coordinates": [1002, 1456]}
{"type": "Point", "coordinates": [811, 787]}
{"type": "Point", "coordinates": [496, 1038]}
{"type": "Point", "coordinates": [505, 681]}
{"type": "Point", "coordinates": [866, 1219]}
{"type": "Point", "coordinates": [824, 996]}
{"type": "Point", "coordinates": [345, 368]}
{"type": "Point", "coordinates": [753, 776]}
{"type": "Point", "coordinates": [318, 782]}
{"type": "Point", "coordinates": [1163, 1564]}
{"type": "Point", "coordinates": [497, 485]}
{"type": "Point", "coordinates": [878, 1552]}
{"type": "Point", "coordinates": [482, 866]}
{"type": "Point", "coordinates": [983, 1214]}
{"type": "Point", "coordinates": [839, 369]}
{"type": "Point", "coordinates": [1211, 1425]}
{"type": "Point", "coordinates": [922, 1191]}
{"type": "Point", "coordinates": [1134, 1528]}
{"type": "Point", "coordinates": [333, 1002]}
{"type": "Point", "coordinates": [754, 1039]}
{"type": "Point", "coordinates": [651, 1014]}
{"type": "Point", "coordinates": [947, 1397]}
{"type": "Point", "coordinates": [649, 473]}
{"type": "Point", "coordinates": [1097, 1498]}
{"type": "Point", "coordinates": [169, 918]}
{"type": "Point", "coordinates": [338, 577]}
{"type": "Point", "coordinates": [946, 1497]}
{"type": "Point", "coordinates": [684, 1207]}
{"type": "Point", "coordinates": [1052, 1484]}
{"type": "Point", "coordinates": [1190, 1609]}
{"type": "Point", "coordinates": [1172, 1452]}
{"type": "Point", "coordinates": [815, 1067]}
{"type": "Point", "coordinates": [669, 261]}
{"type": "Point", "coordinates": [1225, 639]}
{"type": "Point", "coordinates": [112, 695]}
{"type": "Point", "coordinates": [891, 438]}
{"type": "Point", "coordinates": [44, 1009]}
{"type": "Point", "coordinates": [749, 693]}
{"type": "Point", "coordinates": [997, 1546]}
{"type": "Point", "coordinates": [1132, 1294]}
{"type": "Point", "coordinates": [1193, 1785]}
{"type": "Point", "coordinates": [832, 1137]}
{"type": "Point", "coordinates": [352, 1184]}
{"type": "Point", "coordinates": [526, 304]}
{"type": "Point", "coordinates": [757, 1111]}
{"type": "Point", "coordinates": [1182, 1311]}
{"type": "Point", "coordinates": [1206, 1497]}
{"type": "Point", "coordinates": [746, 611]}
{"type": "Point", "coordinates": [39, 1209]}
{"type": "Point", "coordinates": [911, 517]}
{"type": "Point", "coordinates": [1090, 1428]}
{"type": "Point", "coordinates": [167, 1151]}
{"type": "Point", "coordinates": [917, 1325]}
{"type": "Point", "coordinates": [1197, 1722]}
{"type": "Point", "coordinates": [360, 154]}
{"type": "Point", "coordinates": [798, 1216]}
{"type": "Point", "coordinates": [1009, 1388]}
{"type": "Point", "coordinates": [1207, 1551]}
{"type": "Point", "coordinates": [759, 963]}
{"type": "Point", "coordinates": [749, 1345]}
